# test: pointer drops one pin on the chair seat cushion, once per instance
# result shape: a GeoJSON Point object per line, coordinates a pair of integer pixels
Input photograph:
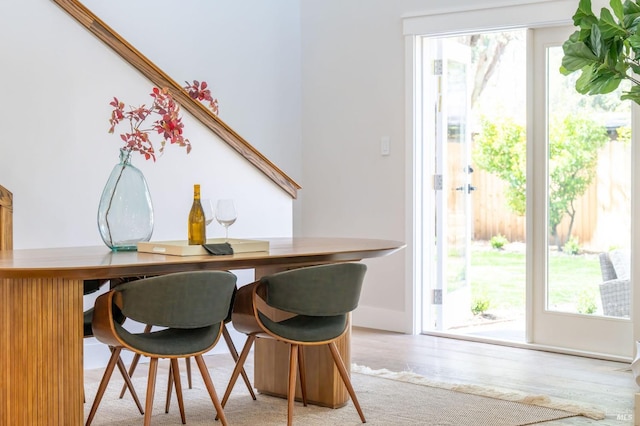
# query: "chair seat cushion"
{"type": "Point", "coordinates": [304, 328]}
{"type": "Point", "coordinates": [172, 341]}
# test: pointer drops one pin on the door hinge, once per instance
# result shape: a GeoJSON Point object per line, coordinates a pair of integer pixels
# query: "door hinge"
{"type": "Point", "coordinates": [436, 296]}
{"type": "Point", "coordinates": [437, 182]}
{"type": "Point", "coordinates": [437, 67]}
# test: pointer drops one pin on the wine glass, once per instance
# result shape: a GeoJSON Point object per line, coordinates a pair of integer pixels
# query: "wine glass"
{"type": "Point", "coordinates": [207, 206]}
{"type": "Point", "coordinates": [226, 215]}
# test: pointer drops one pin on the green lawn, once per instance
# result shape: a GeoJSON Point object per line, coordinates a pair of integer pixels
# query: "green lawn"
{"type": "Point", "coordinates": [499, 277]}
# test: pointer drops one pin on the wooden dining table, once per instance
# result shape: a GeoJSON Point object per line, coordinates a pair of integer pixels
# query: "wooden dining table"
{"type": "Point", "coordinates": [41, 320]}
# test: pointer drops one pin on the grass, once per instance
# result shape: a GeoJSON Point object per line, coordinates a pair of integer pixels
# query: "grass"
{"type": "Point", "coordinates": [499, 276]}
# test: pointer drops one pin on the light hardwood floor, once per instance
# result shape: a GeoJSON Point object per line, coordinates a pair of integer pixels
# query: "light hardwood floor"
{"type": "Point", "coordinates": [606, 385]}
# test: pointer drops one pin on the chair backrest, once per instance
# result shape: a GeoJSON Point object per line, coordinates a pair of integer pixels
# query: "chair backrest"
{"type": "Point", "coordinates": [180, 300]}
{"type": "Point", "coordinates": [606, 267]}
{"type": "Point", "coordinates": [6, 219]}
{"type": "Point", "coordinates": [325, 290]}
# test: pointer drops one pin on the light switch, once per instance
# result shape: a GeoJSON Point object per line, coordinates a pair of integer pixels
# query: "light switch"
{"type": "Point", "coordinates": [385, 145]}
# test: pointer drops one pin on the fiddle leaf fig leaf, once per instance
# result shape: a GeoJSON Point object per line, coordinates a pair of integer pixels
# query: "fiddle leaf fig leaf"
{"type": "Point", "coordinates": [604, 82]}
{"type": "Point", "coordinates": [608, 26]}
{"type": "Point", "coordinates": [577, 56]}
{"type": "Point", "coordinates": [618, 9]}
{"type": "Point", "coordinates": [634, 41]}
{"type": "Point", "coordinates": [596, 41]}
{"type": "Point", "coordinates": [630, 8]}
{"type": "Point", "coordinates": [583, 83]}
{"type": "Point", "coordinates": [631, 12]}
{"type": "Point", "coordinates": [584, 17]}
{"type": "Point", "coordinates": [633, 94]}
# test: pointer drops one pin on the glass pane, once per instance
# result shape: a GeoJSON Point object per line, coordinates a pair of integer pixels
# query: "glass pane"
{"type": "Point", "coordinates": [589, 201]}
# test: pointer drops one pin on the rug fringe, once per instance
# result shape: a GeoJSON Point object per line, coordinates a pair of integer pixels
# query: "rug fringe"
{"type": "Point", "coordinates": [492, 392]}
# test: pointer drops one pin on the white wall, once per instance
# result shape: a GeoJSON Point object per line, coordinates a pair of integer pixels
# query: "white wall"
{"type": "Point", "coordinates": [55, 152]}
{"type": "Point", "coordinates": [354, 92]}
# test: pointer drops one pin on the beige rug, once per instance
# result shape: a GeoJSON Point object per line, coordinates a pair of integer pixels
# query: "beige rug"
{"type": "Point", "coordinates": [387, 399]}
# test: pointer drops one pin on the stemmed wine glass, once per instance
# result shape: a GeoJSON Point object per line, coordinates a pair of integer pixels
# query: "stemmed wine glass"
{"type": "Point", "coordinates": [226, 215]}
{"type": "Point", "coordinates": [207, 206]}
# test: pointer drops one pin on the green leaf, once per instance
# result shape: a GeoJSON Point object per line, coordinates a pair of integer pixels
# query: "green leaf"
{"type": "Point", "coordinates": [634, 41]}
{"type": "Point", "coordinates": [631, 12]}
{"type": "Point", "coordinates": [618, 9]}
{"type": "Point", "coordinates": [631, 22]}
{"type": "Point", "coordinates": [583, 83]}
{"type": "Point", "coordinates": [608, 26]}
{"type": "Point", "coordinates": [577, 56]}
{"type": "Point", "coordinates": [584, 17]}
{"type": "Point", "coordinates": [630, 7]}
{"type": "Point", "coordinates": [604, 83]}
{"type": "Point", "coordinates": [635, 97]}
{"type": "Point", "coordinates": [596, 43]}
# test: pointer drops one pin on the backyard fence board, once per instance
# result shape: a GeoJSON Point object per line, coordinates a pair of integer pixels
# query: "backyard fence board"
{"type": "Point", "coordinates": [602, 214]}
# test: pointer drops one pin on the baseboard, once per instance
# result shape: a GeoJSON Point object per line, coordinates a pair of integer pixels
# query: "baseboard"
{"type": "Point", "coordinates": [381, 319]}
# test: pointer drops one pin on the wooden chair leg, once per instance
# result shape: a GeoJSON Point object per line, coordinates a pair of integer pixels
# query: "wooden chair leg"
{"type": "Point", "coordinates": [115, 355]}
{"type": "Point", "coordinates": [151, 387]}
{"type": "Point", "coordinates": [291, 391]}
{"type": "Point", "coordinates": [301, 371]}
{"type": "Point", "coordinates": [169, 388]}
{"type": "Point", "coordinates": [176, 380]}
{"type": "Point", "coordinates": [128, 384]}
{"type": "Point", "coordinates": [187, 361]}
{"type": "Point", "coordinates": [337, 359]}
{"type": "Point", "coordinates": [132, 368]}
{"type": "Point", "coordinates": [134, 363]}
{"type": "Point", "coordinates": [212, 391]}
{"type": "Point", "coordinates": [239, 366]}
{"type": "Point", "coordinates": [234, 355]}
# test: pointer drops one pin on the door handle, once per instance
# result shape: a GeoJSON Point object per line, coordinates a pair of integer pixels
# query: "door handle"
{"type": "Point", "coordinates": [469, 188]}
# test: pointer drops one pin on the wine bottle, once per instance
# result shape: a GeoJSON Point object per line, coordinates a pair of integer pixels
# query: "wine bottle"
{"type": "Point", "coordinates": [197, 224]}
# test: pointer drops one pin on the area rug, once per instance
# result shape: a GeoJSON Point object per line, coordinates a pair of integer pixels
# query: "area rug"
{"type": "Point", "coordinates": [386, 398]}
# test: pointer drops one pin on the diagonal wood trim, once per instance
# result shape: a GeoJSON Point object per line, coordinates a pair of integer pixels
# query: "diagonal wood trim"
{"type": "Point", "coordinates": [6, 219]}
{"type": "Point", "coordinates": [161, 79]}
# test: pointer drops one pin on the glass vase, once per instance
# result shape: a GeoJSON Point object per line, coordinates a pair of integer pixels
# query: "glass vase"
{"type": "Point", "coordinates": [125, 213]}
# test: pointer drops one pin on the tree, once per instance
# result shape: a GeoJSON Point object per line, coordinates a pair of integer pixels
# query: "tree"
{"type": "Point", "coordinates": [574, 143]}
{"type": "Point", "coordinates": [487, 49]}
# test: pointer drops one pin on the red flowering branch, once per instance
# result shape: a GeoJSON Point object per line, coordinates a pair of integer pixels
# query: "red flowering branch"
{"type": "Point", "coordinates": [168, 123]}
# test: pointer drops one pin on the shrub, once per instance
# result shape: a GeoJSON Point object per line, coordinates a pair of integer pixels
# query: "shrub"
{"type": "Point", "coordinates": [572, 246]}
{"type": "Point", "coordinates": [480, 305]}
{"type": "Point", "coordinates": [498, 241]}
{"type": "Point", "coordinates": [586, 303]}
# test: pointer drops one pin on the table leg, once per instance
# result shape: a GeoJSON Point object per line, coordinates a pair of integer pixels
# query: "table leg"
{"type": "Point", "coordinates": [41, 368]}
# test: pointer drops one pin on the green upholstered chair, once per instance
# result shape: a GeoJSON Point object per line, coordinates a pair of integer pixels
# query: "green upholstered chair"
{"type": "Point", "coordinates": [190, 308]}
{"type": "Point", "coordinates": [232, 350]}
{"type": "Point", "coordinates": [301, 307]}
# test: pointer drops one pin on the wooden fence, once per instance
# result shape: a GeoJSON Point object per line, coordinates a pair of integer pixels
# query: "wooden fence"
{"type": "Point", "coordinates": [603, 212]}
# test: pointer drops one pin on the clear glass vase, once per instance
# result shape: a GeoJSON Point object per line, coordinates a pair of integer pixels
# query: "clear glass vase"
{"type": "Point", "coordinates": [125, 213]}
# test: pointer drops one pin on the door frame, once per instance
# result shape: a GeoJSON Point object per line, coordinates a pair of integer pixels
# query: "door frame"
{"type": "Point", "coordinates": [465, 20]}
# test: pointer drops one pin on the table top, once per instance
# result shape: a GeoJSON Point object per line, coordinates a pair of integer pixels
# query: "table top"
{"type": "Point", "coordinates": [100, 262]}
